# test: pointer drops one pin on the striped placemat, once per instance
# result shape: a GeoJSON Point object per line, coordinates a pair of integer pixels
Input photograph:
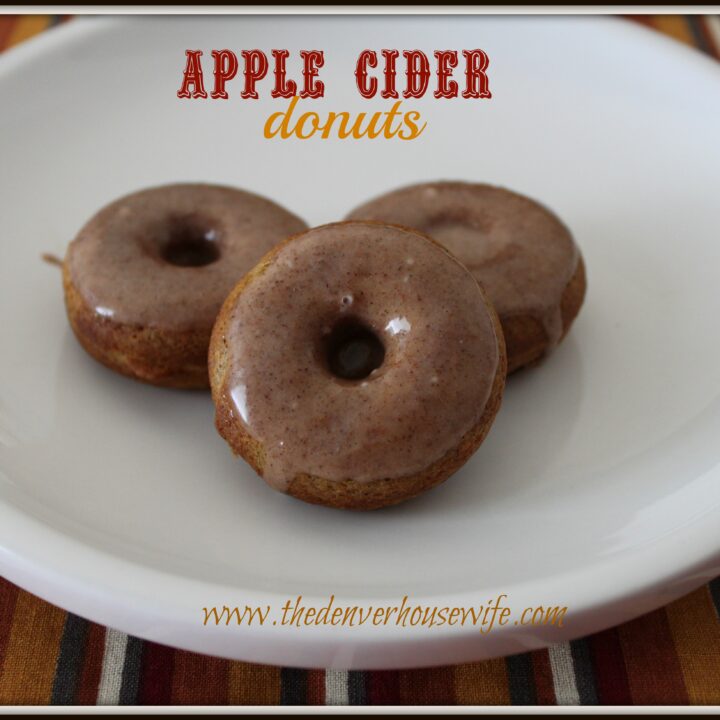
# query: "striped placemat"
{"type": "Point", "coordinates": [668, 657]}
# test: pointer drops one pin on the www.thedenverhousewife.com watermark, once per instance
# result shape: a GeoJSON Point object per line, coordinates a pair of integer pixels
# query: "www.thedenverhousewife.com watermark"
{"type": "Point", "coordinates": [295, 613]}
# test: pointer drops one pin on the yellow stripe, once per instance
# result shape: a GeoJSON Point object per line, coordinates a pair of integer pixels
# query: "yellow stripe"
{"type": "Point", "coordinates": [27, 26]}
{"type": "Point", "coordinates": [482, 683]}
{"type": "Point", "coordinates": [696, 631]}
{"type": "Point", "coordinates": [675, 26]}
{"type": "Point", "coordinates": [29, 667]}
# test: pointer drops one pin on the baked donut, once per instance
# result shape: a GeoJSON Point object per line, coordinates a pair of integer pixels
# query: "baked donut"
{"type": "Point", "coordinates": [146, 276]}
{"type": "Point", "coordinates": [518, 250]}
{"type": "Point", "coordinates": [356, 366]}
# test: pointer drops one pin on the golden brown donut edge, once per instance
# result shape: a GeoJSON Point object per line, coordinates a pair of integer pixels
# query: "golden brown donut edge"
{"type": "Point", "coordinates": [157, 357]}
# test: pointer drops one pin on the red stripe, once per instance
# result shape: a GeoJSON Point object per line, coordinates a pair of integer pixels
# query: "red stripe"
{"type": "Point", "coordinates": [542, 671]}
{"type": "Point", "coordinates": [156, 673]}
{"type": "Point", "coordinates": [383, 687]}
{"type": "Point", "coordinates": [433, 686]}
{"type": "Point", "coordinates": [645, 20]}
{"type": "Point", "coordinates": [199, 679]}
{"type": "Point", "coordinates": [7, 23]}
{"type": "Point", "coordinates": [611, 678]}
{"type": "Point", "coordinates": [8, 598]}
{"type": "Point", "coordinates": [89, 679]}
{"type": "Point", "coordinates": [653, 669]}
{"type": "Point", "coordinates": [316, 687]}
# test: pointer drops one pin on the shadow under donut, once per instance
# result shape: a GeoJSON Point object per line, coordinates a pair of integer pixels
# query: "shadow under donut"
{"type": "Point", "coordinates": [535, 422]}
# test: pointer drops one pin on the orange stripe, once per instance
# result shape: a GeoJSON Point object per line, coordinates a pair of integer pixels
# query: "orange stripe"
{"type": "Point", "coordinates": [695, 628]}
{"type": "Point", "coordinates": [250, 684]}
{"type": "Point", "coordinates": [653, 669]}
{"type": "Point", "coordinates": [27, 26]}
{"type": "Point", "coordinates": [676, 26]}
{"type": "Point", "coordinates": [8, 599]}
{"type": "Point", "coordinates": [199, 679]}
{"type": "Point", "coordinates": [32, 652]}
{"type": "Point", "coordinates": [483, 683]}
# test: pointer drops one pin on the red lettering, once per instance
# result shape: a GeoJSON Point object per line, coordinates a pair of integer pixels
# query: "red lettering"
{"type": "Point", "coordinates": [446, 61]}
{"type": "Point", "coordinates": [256, 67]}
{"type": "Point", "coordinates": [476, 80]}
{"type": "Point", "coordinates": [192, 75]}
{"type": "Point", "coordinates": [366, 86]}
{"type": "Point", "coordinates": [417, 72]}
{"type": "Point", "coordinates": [283, 87]}
{"type": "Point", "coordinates": [313, 60]}
{"type": "Point", "coordinates": [389, 91]}
{"type": "Point", "coordinates": [226, 66]}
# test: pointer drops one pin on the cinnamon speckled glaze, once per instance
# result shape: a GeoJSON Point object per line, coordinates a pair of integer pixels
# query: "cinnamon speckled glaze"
{"type": "Point", "coordinates": [130, 303]}
{"type": "Point", "coordinates": [519, 251]}
{"type": "Point", "coordinates": [367, 442]}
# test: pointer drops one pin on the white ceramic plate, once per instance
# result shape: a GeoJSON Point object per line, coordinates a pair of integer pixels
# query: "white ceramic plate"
{"type": "Point", "coordinates": [598, 487]}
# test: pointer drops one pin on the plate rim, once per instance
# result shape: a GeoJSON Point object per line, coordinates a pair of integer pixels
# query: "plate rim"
{"type": "Point", "coordinates": [72, 581]}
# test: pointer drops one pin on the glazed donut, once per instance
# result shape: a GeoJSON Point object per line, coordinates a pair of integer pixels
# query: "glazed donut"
{"type": "Point", "coordinates": [519, 251]}
{"type": "Point", "coordinates": [146, 276]}
{"type": "Point", "coordinates": [356, 366]}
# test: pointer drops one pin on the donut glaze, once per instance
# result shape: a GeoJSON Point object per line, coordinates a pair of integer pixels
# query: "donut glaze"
{"type": "Point", "coordinates": [280, 405]}
{"type": "Point", "coordinates": [519, 251]}
{"type": "Point", "coordinates": [146, 276]}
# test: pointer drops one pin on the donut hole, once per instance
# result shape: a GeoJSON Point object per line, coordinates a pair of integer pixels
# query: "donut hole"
{"type": "Point", "coordinates": [190, 243]}
{"type": "Point", "coordinates": [352, 350]}
{"type": "Point", "coordinates": [453, 229]}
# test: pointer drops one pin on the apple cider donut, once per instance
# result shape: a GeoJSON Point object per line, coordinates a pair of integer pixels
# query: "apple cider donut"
{"type": "Point", "coordinates": [520, 252]}
{"type": "Point", "coordinates": [146, 276]}
{"type": "Point", "coordinates": [356, 366]}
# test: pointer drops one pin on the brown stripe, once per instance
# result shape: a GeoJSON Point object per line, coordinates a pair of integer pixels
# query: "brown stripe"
{"type": "Point", "coordinates": [8, 598]}
{"type": "Point", "coordinates": [433, 686]}
{"type": "Point", "coordinates": [383, 687]}
{"type": "Point", "coordinates": [32, 651]}
{"type": "Point", "coordinates": [695, 628]}
{"type": "Point", "coordinates": [250, 684]}
{"type": "Point", "coordinates": [483, 683]}
{"type": "Point", "coordinates": [199, 679]}
{"type": "Point", "coordinates": [645, 20]}
{"type": "Point", "coordinates": [653, 669]}
{"type": "Point", "coordinates": [316, 687]}
{"type": "Point", "coordinates": [711, 27]}
{"type": "Point", "coordinates": [89, 679]}
{"type": "Point", "coordinates": [710, 44]}
{"type": "Point", "coordinates": [542, 671]}
{"type": "Point", "coordinates": [7, 23]}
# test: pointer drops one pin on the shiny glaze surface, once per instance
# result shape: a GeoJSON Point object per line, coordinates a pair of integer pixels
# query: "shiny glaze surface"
{"type": "Point", "coordinates": [441, 354]}
{"type": "Point", "coordinates": [518, 250]}
{"type": "Point", "coordinates": [117, 261]}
